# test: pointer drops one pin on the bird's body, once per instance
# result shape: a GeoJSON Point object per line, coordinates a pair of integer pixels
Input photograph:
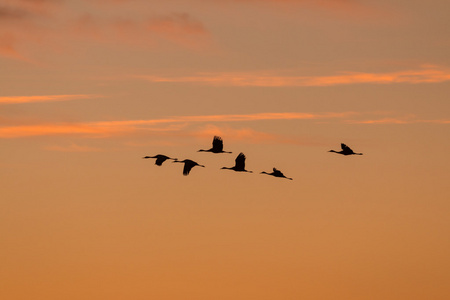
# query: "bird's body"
{"type": "Point", "coordinates": [217, 146]}
{"type": "Point", "coordinates": [276, 173]}
{"type": "Point", "coordinates": [345, 151]}
{"type": "Point", "coordinates": [159, 159]}
{"type": "Point", "coordinates": [188, 165]}
{"type": "Point", "coordinates": [239, 164]}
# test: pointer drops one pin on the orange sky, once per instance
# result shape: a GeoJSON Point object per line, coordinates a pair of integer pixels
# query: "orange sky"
{"type": "Point", "coordinates": [87, 88]}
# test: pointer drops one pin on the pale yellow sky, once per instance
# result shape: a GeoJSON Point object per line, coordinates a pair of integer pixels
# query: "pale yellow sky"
{"type": "Point", "coordinates": [87, 88]}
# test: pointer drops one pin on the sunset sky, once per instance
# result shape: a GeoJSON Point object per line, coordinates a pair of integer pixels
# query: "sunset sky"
{"type": "Point", "coordinates": [89, 87]}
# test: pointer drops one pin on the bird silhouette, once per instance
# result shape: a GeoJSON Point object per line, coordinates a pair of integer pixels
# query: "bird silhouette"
{"type": "Point", "coordinates": [217, 146]}
{"type": "Point", "coordinates": [276, 173]}
{"type": "Point", "coordinates": [159, 159]}
{"type": "Point", "coordinates": [188, 165]}
{"type": "Point", "coordinates": [345, 151]}
{"type": "Point", "coordinates": [239, 165]}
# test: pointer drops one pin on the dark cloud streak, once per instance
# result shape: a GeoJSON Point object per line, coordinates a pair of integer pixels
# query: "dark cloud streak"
{"type": "Point", "coordinates": [7, 13]}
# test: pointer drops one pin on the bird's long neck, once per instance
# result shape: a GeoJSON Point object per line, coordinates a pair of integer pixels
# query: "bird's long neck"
{"type": "Point", "coordinates": [338, 152]}
{"type": "Point", "coordinates": [202, 150]}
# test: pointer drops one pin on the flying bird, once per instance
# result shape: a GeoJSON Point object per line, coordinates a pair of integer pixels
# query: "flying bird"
{"type": "Point", "coordinates": [276, 173]}
{"type": "Point", "coordinates": [345, 151]}
{"type": "Point", "coordinates": [188, 165]}
{"type": "Point", "coordinates": [239, 164]}
{"type": "Point", "coordinates": [217, 146]}
{"type": "Point", "coordinates": [159, 159]}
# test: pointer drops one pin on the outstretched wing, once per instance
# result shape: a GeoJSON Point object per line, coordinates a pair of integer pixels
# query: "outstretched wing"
{"type": "Point", "coordinates": [160, 159]}
{"type": "Point", "coordinates": [240, 161]}
{"type": "Point", "coordinates": [217, 143]}
{"type": "Point", "coordinates": [277, 173]}
{"type": "Point", "coordinates": [187, 168]}
{"type": "Point", "coordinates": [346, 148]}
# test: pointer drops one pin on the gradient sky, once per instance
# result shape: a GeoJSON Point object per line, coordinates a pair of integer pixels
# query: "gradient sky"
{"type": "Point", "coordinates": [87, 88]}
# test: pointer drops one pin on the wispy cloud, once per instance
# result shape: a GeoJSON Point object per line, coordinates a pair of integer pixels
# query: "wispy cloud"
{"type": "Point", "coordinates": [8, 46]}
{"type": "Point", "coordinates": [23, 24]}
{"type": "Point", "coordinates": [7, 13]}
{"type": "Point", "coordinates": [390, 121]}
{"type": "Point", "coordinates": [336, 6]}
{"type": "Point", "coordinates": [179, 28]}
{"type": "Point", "coordinates": [44, 98]}
{"type": "Point", "coordinates": [323, 3]}
{"type": "Point", "coordinates": [175, 24]}
{"type": "Point", "coordinates": [110, 128]}
{"type": "Point", "coordinates": [428, 74]}
{"type": "Point", "coordinates": [52, 24]}
{"type": "Point", "coordinates": [72, 148]}
{"type": "Point", "coordinates": [200, 126]}
{"type": "Point", "coordinates": [229, 118]}
{"type": "Point", "coordinates": [252, 136]}
{"type": "Point", "coordinates": [52, 129]}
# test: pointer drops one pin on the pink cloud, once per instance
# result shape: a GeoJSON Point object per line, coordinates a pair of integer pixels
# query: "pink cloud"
{"type": "Point", "coordinates": [229, 118]}
{"type": "Point", "coordinates": [189, 126]}
{"type": "Point", "coordinates": [427, 74]}
{"type": "Point", "coordinates": [174, 124]}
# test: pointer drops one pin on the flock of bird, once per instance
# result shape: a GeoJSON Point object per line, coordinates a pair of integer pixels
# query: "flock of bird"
{"type": "Point", "coordinates": [239, 166]}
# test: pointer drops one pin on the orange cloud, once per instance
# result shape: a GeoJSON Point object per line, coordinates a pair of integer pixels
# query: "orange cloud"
{"type": "Point", "coordinates": [51, 129]}
{"type": "Point", "coordinates": [229, 118]}
{"type": "Point", "coordinates": [398, 121]}
{"type": "Point", "coordinates": [424, 75]}
{"type": "Point", "coordinates": [251, 136]}
{"type": "Point", "coordinates": [180, 126]}
{"type": "Point", "coordinates": [109, 128]}
{"type": "Point", "coordinates": [43, 98]}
